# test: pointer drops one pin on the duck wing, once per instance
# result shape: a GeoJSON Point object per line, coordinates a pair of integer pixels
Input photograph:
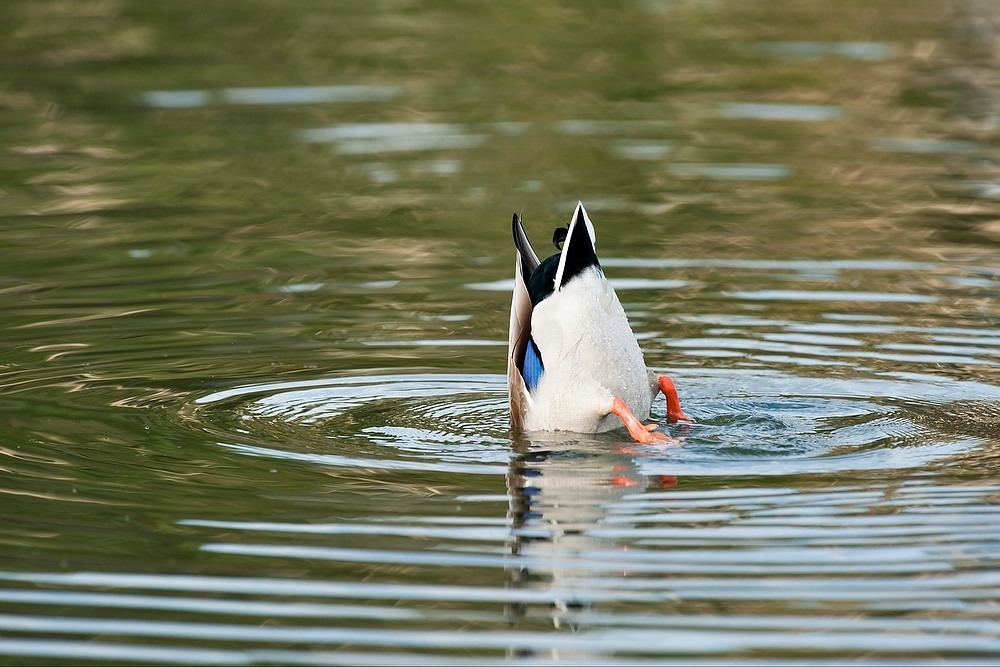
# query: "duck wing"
{"type": "Point", "coordinates": [520, 324]}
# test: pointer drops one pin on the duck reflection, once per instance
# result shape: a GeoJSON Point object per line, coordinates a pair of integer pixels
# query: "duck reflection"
{"type": "Point", "coordinates": [561, 487]}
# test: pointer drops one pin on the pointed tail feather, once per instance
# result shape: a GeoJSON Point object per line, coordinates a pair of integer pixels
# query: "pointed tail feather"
{"type": "Point", "coordinates": [529, 260]}
{"type": "Point", "coordinates": [578, 251]}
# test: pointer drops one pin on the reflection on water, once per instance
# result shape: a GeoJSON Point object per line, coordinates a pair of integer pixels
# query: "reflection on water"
{"type": "Point", "coordinates": [609, 126]}
{"type": "Point", "coordinates": [255, 287]}
{"type": "Point", "coordinates": [361, 138]}
{"type": "Point", "coordinates": [926, 145]}
{"type": "Point", "coordinates": [594, 521]}
{"type": "Point", "coordinates": [178, 99]}
{"type": "Point", "coordinates": [733, 172]}
{"type": "Point", "coordinates": [641, 150]}
{"type": "Point", "coordinates": [854, 50]}
{"type": "Point", "coordinates": [780, 111]}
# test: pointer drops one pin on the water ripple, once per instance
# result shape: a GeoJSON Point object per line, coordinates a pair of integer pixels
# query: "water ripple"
{"type": "Point", "coordinates": [457, 423]}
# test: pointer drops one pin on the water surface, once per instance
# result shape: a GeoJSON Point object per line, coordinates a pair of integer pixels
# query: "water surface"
{"type": "Point", "coordinates": [255, 275]}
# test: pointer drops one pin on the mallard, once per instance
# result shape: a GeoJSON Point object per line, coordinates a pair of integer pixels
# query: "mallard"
{"type": "Point", "coordinates": [573, 362]}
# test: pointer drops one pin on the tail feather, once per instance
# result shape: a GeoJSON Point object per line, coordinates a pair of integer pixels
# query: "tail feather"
{"type": "Point", "coordinates": [529, 260]}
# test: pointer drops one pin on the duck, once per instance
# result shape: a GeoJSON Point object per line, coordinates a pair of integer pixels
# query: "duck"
{"type": "Point", "coordinates": [573, 362]}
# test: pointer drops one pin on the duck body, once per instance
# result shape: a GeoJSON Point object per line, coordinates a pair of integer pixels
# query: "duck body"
{"type": "Point", "coordinates": [591, 357]}
{"type": "Point", "coordinates": [573, 362]}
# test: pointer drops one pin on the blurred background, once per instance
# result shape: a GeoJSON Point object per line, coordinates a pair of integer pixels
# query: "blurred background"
{"type": "Point", "coordinates": [255, 265]}
{"type": "Point", "coordinates": [720, 128]}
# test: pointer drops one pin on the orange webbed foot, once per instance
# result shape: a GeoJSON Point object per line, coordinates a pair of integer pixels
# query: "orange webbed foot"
{"type": "Point", "coordinates": [674, 411]}
{"type": "Point", "coordinates": [640, 432]}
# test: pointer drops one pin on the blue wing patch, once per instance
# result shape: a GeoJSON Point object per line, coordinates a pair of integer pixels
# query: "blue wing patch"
{"type": "Point", "coordinates": [531, 369]}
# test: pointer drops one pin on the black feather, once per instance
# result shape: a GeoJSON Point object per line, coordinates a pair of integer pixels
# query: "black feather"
{"type": "Point", "coordinates": [529, 260]}
{"type": "Point", "coordinates": [579, 250]}
{"type": "Point", "coordinates": [559, 237]}
{"type": "Point", "coordinates": [543, 279]}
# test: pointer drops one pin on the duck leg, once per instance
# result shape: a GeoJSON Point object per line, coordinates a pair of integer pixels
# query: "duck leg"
{"type": "Point", "coordinates": [674, 411]}
{"type": "Point", "coordinates": [639, 431]}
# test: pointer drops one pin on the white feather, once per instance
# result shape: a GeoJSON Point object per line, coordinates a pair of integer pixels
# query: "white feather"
{"type": "Point", "coordinates": [591, 357]}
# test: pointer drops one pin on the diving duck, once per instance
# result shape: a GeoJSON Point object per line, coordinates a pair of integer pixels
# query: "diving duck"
{"type": "Point", "coordinates": [573, 363]}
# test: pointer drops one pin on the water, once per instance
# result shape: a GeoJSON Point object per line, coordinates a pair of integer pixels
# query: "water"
{"type": "Point", "coordinates": [254, 286]}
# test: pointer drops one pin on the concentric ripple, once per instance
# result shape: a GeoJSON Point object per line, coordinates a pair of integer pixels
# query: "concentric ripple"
{"type": "Point", "coordinates": [448, 423]}
{"type": "Point", "coordinates": [760, 422]}
{"type": "Point", "coordinates": [750, 422]}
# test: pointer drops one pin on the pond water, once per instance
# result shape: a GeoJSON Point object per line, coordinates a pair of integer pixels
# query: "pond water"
{"type": "Point", "coordinates": [255, 266]}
